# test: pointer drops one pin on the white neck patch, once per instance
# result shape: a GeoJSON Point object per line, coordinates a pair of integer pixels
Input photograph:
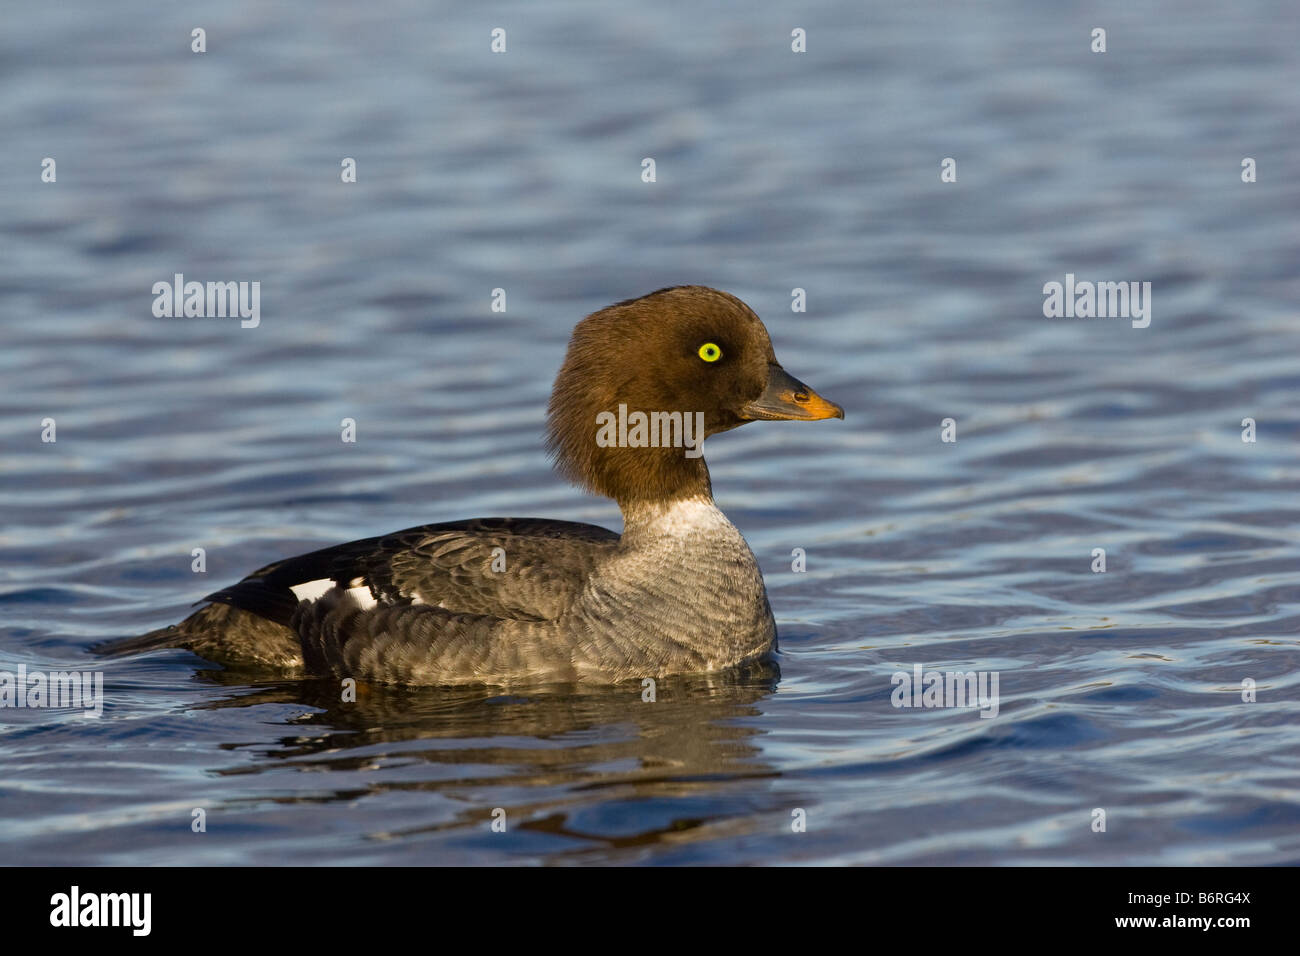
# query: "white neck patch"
{"type": "Point", "coordinates": [682, 517]}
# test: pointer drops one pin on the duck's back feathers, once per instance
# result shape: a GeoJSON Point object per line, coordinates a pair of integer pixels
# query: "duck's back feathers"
{"type": "Point", "coordinates": [520, 568]}
{"type": "Point", "coordinates": [470, 573]}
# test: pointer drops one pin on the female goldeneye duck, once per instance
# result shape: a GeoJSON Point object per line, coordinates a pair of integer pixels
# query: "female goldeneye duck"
{"type": "Point", "coordinates": [508, 601]}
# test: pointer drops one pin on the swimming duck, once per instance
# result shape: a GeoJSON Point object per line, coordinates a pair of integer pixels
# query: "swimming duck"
{"type": "Point", "coordinates": [507, 601]}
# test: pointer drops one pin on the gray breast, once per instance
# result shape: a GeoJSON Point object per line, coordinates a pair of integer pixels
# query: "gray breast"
{"type": "Point", "coordinates": [682, 593]}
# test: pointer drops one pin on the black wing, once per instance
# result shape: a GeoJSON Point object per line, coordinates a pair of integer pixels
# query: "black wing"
{"type": "Point", "coordinates": [535, 575]}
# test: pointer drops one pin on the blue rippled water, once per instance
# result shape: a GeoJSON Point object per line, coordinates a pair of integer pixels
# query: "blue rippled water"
{"type": "Point", "coordinates": [775, 170]}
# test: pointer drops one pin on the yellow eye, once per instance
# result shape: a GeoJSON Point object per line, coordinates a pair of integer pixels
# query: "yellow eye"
{"type": "Point", "coordinates": [710, 352]}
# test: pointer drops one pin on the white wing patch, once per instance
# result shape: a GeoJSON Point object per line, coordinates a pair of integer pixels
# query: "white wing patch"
{"type": "Point", "coordinates": [311, 590]}
{"type": "Point", "coordinates": [365, 600]}
{"type": "Point", "coordinates": [357, 589]}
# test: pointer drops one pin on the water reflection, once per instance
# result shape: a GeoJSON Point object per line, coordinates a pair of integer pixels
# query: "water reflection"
{"type": "Point", "coordinates": [542, 753]}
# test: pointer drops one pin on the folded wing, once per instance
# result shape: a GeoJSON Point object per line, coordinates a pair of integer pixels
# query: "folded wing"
{"type": "Point", "coordinates": [528, 569]}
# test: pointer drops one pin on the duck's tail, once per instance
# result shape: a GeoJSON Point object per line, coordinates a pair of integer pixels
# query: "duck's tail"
{"type": "Point", "coordinates": [218, 632]}
{"type": "Point", "coordinates": [170, 636]}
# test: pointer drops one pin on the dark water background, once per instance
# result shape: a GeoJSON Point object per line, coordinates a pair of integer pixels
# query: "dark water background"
{"type": "Point", "coordinates": [820, 171]}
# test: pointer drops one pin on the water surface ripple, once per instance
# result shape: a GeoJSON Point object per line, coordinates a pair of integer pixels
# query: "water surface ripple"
{"type": "Point", "coordinates": [1119, 691]}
